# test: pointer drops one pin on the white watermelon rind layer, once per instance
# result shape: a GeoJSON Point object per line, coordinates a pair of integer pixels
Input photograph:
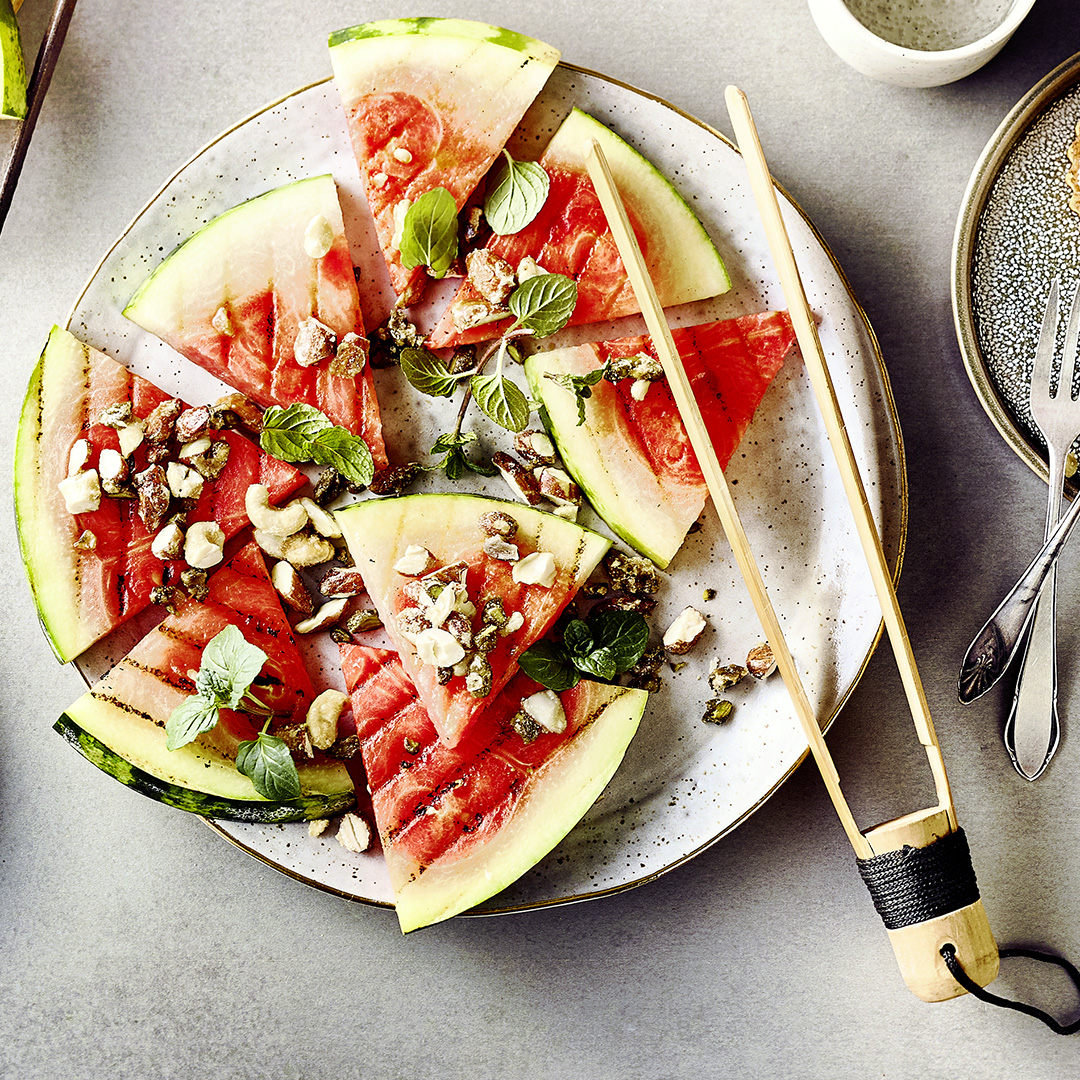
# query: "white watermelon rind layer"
{"type": "Point", "coordinates": [600, 454]}
{"type": "Point", "coordinates": [419, 50]}
{"type": "Point", "coordinates": [681, 255]}
{"type": "Point", "coordinates": [47, 531]}
{"type": "Point", "coordinates": [558, 796]}
{"type": "Point", "coordinates": [235, 255]}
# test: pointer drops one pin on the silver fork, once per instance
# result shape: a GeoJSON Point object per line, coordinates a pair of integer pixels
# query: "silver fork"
{"type": "Point", "coordinates": [1032, 730]}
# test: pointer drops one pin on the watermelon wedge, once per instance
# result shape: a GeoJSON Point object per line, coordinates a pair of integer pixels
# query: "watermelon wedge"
{"type": "Point", "coordinates": [236, 295]}
{"type": "Point", "coordinates": [430, 103]}
{"type": "Point", "coordinates": [119, 723]}
{"type": "Point", "coordinates": [460, 824]}
{"type": "Point", "coordinates": [381, 532]}
{"type": "Point", "coordinates": [632, 457]}
{"type": "Point", "coordinates": [570, 236]}
{"type": "Point", "coordinates": [91, 571]}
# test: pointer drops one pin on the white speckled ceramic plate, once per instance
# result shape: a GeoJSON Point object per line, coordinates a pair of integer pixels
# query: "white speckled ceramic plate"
{"type": "Point", "coordinates": [1014, 235]}
{"type": "Point", "coordinates": [683, 783]}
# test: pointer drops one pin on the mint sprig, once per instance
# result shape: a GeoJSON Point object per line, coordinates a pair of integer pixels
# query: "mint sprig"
{"type": "Point", "coordinates": [516, 194]}
{"type": "Point", "coordinates": [302, 433]}
{"type": "Point", "coordinates": [229, 665]}
{"type": "Point", "coordinates": [578, 385]}
{"type": "Point", "coordinates": [602, 646]}
{"type": "Point", "coordinates": [429, 233]}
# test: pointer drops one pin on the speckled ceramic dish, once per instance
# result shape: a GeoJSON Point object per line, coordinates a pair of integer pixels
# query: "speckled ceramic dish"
{"type": "Point", "coordinates": [683, 783]}
{"type": "Point", "coordinates": [1015, 233]}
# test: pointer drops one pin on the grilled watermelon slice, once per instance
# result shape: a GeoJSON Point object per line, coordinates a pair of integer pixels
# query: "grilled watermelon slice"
{"type": "Point", "coordinates": [119, 723]}
{"type": "Point", "coordinates": [233, 297]}
{"type": "Point", "coordinates": [570, 236]}
{"type": "Point", "coordinates": [85, 589]}
{"type": "Point", "coordinates": [380, 532]}
{"type": "Point", "coordinates": [430, 103]}
{"type": "Point", "coordinates": [460, 824]}
{"type": "Point", "coordinates": [633, 458]}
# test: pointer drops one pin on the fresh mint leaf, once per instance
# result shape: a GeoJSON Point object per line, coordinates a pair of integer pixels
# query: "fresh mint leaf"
{"type": "Point", "coordinates": [429, 234]}
{"type": "Point", "coordinates": [229, 665]}
{"type": "Point", "coordinates": [625, 634]}
{"type": "Point", "coordinates": [188, 720]}
{"type": "Point", "coordinates": [599, 663]}
{"type": "Point", "coordinates": [348, 453]}
{"type": "Point", "coordinates": [456, 462]}
{"type": "Point", "coordinates": [267, 763]}
{"type": "Point", "coordinates": [578, 385]}
{"type": "Point", "coordinates": [427, 373]}
{"type": "Point", "coordinates": [544, 304]}
{"type": "Point", "coordinates": [452, 440]}
{"type": "Point", "coordinates": [287, 433]}
{"type": "Point", "coordinates": [549, 664]}
{"type": "Point", "coordinates": [518, 191]}
{"type": "Point", "coordinates": [578, 638]}
{"type": "Point", "coordinates": [502, 401]}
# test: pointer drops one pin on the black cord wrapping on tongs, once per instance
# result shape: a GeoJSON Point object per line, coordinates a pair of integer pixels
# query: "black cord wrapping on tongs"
{"type": "Point", "coordinates": [914, 885]}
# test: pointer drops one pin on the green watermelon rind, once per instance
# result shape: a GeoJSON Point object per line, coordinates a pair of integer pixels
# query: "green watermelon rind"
{"type": "Point", "coordinates": [157, 305]}
{"type": "Point", "coordinates": [13, 103]}
{"type": "Point", "coordinates": [436, 27]}
{"type": "Point", "coordinates": [559, 795]}
{"type": "Point", "coordinates": [632, 501]}
{"type": "Point", "coordinates": [46, 549]}
{"type": "Point", "coordinates": [255, 810]}
{"type": "Point", "coordinates": [692, 269]}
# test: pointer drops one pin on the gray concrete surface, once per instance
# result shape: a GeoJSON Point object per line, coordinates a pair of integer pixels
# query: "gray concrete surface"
{"type": "Point", "coordinates": [135, 943]}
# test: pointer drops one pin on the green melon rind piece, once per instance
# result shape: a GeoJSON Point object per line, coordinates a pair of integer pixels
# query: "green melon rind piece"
{"type": "Point", "coordinates": [682, 258]}
{"type": "Point", "coordinates": [46, 529]}
{"type": "Point", "coordinates": [202, 770]}
{"type": "Point", "coordinates": [254, 809]}
{"type": "Point", "coordinates": [13, 96]}
{"type": "Point", "coordinates": [559, 795]}
{"type": "Point", "coordinates": [630, 499]}
{"type": "Point", "coordinates": [230, 258]}
{"type": "Point", "coordinates": [464, 29]}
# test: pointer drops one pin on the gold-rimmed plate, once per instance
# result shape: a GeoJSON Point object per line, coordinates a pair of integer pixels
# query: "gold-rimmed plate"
{"type": "Point", "coordinates": [683, 783]}
{"type": "Point", "coordinates": [1015, 233]}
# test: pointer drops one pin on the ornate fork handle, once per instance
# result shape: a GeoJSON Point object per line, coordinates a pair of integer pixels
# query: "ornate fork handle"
{"type": "Point", "coordinates": [996, 643]}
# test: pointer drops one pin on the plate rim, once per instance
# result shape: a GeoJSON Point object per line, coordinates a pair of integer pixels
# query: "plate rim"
{"type": "Point", "coordinates": [986, 173]}
{"type": "Point", "coordinates": [901, 524]}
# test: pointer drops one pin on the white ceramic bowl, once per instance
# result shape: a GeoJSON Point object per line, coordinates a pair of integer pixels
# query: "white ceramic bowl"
{"type": "Point", "coordinates": [882, 60]}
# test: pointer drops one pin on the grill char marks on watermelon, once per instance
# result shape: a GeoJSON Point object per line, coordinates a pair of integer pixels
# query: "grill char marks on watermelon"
{"type": "Point", "coordinates": [84, 592]}
{"type": "Point", "coordinates": [460, 824]}
{"type": "Point", "coordinates": [430, 103]}
{"type": "Point", "coordinates": [633, 457]}
{"type": "Point", "coordinates": [570, 236]}
{"type": "Point", "coordinates": [448, 526]}
{"type": "Point", "coordinates": [232, 298]}
{"type": "Point", "coordinates": [120, 722]}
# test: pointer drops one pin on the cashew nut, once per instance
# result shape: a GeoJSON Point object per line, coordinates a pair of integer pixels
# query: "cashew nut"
{"type": "Point", "coordinates": [322, 718]}
{"type": "Point", "coordinates": [322, 521]}
{"type": "Point", "coordinates": [301, 549]}
{"type": "Point", "coordinates": [278, 521]}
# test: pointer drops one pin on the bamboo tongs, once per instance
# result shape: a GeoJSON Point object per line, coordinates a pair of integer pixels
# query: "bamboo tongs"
{"type": "Point", "coordinates": [904, 841]}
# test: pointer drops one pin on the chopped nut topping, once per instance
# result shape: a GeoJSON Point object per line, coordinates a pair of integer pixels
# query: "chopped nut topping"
{"type": "Point", "coordinates": [496, 523]}
{"type": "Point", "coordinates": [325, 524]}
{"type": "Point", "coordinates": [514, 622]}
{"type": "Point", "coordinates": [640, 367]}
{"type": "Point", "coordinates": [416, 561]}
{"type": "Point", "coordinates": [130, 436]}
{"type": "Point", "coordinates": [326, 616]}
{"type": "Point", "coordinates": [314, 342]}
{"type": "Point", "coordinates": [537, 568]}
{"type": "Point", "coordinates": [203, 545]}
{"type": "Point", "coordinates": [340, 581]}
{"type": "Point", "coordinates": [491, 276]}
{"type": "Point", "coordinates": [360, 622]}
{"type": "Point", "coordinates": [154, 497]}
{"type": "Point", "coordinates": [402, 154]}
{"type": "Point", "coordinates": [350, 358]}
{"type": "Point", "coordinates": [631, 574]}
{"type": "Point", "coordinates": [194, 581]}
{"type": "Point", "coordinates": [192, 424]}
{"type": "Point", "coordinates": [557, 486]}
{"type": "Point", "coordinates": [353, 833]}
{"type": "Point", "coordinates": [78, 456]}
{"type": "Point", "coordinates": [112, 465]}
{"type": "Point", "coordinates": [493, 613]}
{"type": "Point", "coordinates": [317, 826]}
{"type": "Point", "coordinates": [497, 548]}
{"type": "Point", "coordinates": [169, 543]}
{"type": "Point", "coordinates": [291, 588]}
{"type": "Point", "coordinates": [461, 628]}
{"type": "Point", "coordinates": [184, 482]}
{"type": "Point", "coordinates": [234, 410]}
{"type": "Point", "coordinates": [529, 268]}
{"type": "Point", "coordinates": [760, 661]}
{"type": "Point", "coordinates": [163, 596]}
{"type": "Point", "coordinates": [222, 323]}
{"type": "Point", "coordinates": [468, 312]}
{"type": "Point", "coordinates": [487, 637]}
{"type": "Point", "coordinates": [724, 676]}
{"type": "Point", "coordinates": [328, 487]}
{"type": "Point", "coordinates": [438, 647]}
{"type": "Point", "coordinates": [547, 710]}
{"type": "Point", "coordinates": [116, 415]}
{"type": "Point", "coordinates": [683, 633]}
{"type": "Point", "coordinates": [394, 480]}
{"type": "Point", "coordinates": [535, 447]}
{"type": "Point", "coordinates": [526, 727]}
{"type": "Point", "coordinates": [717, 711]}
{"type": "Point", "coordinates": [639, 389]}
{"type": "Point", "coordinates": [478, 678]}
{"type": "Point", "coordinates": [85, 541]}
{"type": "Point", "coordinates": [520, 479]}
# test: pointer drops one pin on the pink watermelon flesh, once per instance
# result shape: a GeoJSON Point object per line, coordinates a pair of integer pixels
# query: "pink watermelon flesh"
{"type": "Point", "coordinates": [113, 579]}
{"type": "Point", "coordinates": [436, 807]}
